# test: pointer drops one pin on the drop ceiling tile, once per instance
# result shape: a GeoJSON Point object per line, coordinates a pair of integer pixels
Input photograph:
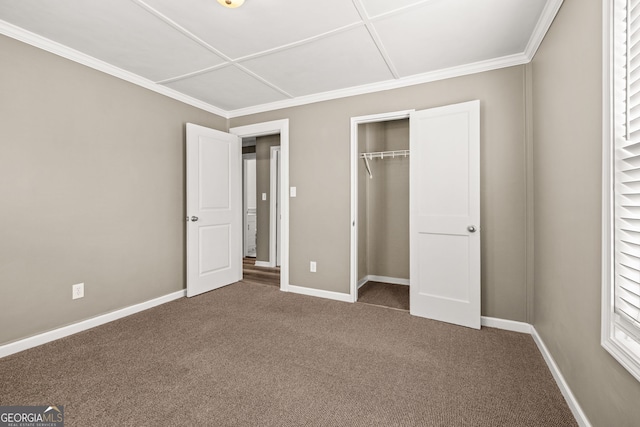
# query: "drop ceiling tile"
{"type": "Point", "coordinates": [342, 60]}
{"type": "Point", "coordinates": [378, 7]}
{"type": "Point", "coordinates": [447, 33]}
{"type": "Point", "coordinates": [118, 32]}
{"type": "Point", "coordinates": [228, 88]}
{"type": "Point", "coordinates": [258, 25]}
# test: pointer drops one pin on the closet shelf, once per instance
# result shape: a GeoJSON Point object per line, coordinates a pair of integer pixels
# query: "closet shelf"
{"type": "Point", "coordinates": [384, 154]}
{"type": "Point", "coordinates": [381, 155]}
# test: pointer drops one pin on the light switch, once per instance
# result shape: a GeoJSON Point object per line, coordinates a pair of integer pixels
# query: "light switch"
{"type": "Point", "coordinates": [264, 196]}
{"type": "Point", "coordinates": [292, 191]}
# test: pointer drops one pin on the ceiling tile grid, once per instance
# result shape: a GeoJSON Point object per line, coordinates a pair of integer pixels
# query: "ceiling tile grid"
{"type": "Point", "coordinates": [440, 34]}
{"type": "Point", "coordinates": [118, 32]}
{"type": "Point", "coordinates": [271, 51]}
{"type": "Point", "coordinates": [258, 25]}
{"type": "Point", "coordinates": [326, 64]}
{"type": "Point", "coordinates": [229, 88]}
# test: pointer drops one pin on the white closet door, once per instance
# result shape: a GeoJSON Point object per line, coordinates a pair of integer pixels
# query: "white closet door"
{"type": "Point", "coordinates": [445, 214]}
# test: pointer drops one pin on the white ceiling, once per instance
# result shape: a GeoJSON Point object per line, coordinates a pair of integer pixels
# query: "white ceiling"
{"type": "Point", "coordinates": [274, 53]}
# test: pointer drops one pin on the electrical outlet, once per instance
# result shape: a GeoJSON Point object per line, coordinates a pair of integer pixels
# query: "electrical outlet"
{"type": "Point", "coordinates": [77, 291]}
{"type": "Point", "coordinates": [312, 266]}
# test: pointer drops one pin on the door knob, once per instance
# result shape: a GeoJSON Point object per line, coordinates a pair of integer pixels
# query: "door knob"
{"type": "Point", "coordinates": [194, 218]}
{"type": "Point", "coordinates": [471, 229]}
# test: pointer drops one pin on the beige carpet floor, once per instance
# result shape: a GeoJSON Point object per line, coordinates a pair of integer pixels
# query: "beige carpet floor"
{"type": "Point", "coordinates": [250, 355]}
{"type": "Point", "coordinates": [384, 294]}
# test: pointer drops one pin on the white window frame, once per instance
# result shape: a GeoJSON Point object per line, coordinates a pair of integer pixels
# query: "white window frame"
{"type": "Point", "coordinates": [618, 338]}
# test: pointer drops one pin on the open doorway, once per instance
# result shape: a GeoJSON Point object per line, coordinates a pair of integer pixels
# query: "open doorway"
{"type": "Point", "coordinates": [261, 163]}
{"type": "Point", "coordinates": [268, 142]}
{"type": "Point", "coordinates": [256, 265]}
{"type": "Point", "coordinates": [261, 174]}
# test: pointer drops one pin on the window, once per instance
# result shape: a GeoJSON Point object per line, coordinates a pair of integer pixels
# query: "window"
{"type": "Point", "coordinates": [621, 183]}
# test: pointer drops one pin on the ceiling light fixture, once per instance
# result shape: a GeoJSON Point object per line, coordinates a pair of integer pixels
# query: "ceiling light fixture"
{"type": "Point", "coordinates": [231, 3]}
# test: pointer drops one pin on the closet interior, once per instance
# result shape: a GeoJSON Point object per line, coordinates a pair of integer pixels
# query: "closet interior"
{"type": "Point", "coordinates": [383, 213]}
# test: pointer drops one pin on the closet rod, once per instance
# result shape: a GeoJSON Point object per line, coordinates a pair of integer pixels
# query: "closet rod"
{"type": "Point", "coordinates": [382, 154]}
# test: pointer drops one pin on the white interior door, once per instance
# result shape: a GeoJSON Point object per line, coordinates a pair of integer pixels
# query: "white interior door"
{"type": "Point", "coordinates": [214, 209]}
{"type": "Point", "coordinates": [445, 214]}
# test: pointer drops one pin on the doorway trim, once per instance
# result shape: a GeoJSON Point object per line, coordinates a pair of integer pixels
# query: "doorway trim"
{"type": "Point", "coordinates": [275, 205]}
{"type": "Point", "coordinates": [355, 121]}
{"type": "Point", "coordinates": [272, 128]}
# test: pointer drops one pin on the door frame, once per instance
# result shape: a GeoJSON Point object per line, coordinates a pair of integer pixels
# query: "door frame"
{"type": "Point", "coordinates": [355, 158]}
{"type": "Point", "coordinates": [271, 128]}
{"type": "Point", "coordinates": [274, 203]}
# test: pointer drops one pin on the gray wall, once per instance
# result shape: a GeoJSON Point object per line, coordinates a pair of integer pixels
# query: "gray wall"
{"type": "Point", "coordinates": [92, 191]}
{"type": "Point", "coordinates": [320, 214]}
{"type": "Point", "coordinates": [385, 231]}
{"type": "Point", "coordinates": [263, 179]}
{"type": "Point", "coordinates": [567, 117]}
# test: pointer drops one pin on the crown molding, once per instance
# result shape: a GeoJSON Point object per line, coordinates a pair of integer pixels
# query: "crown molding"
{"type": "Point", "coordinates": [547, 16]}
{"type": "Point", "coordinates": [476, 67]}
{"type": "Point", "coordinates": [48, 45]}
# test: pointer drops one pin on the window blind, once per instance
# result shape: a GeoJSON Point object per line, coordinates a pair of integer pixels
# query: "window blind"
{"type": "Point", "coordinates": [627, 163]}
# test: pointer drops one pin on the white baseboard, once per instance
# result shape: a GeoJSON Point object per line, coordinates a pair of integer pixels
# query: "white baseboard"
{"type": "Point", "coordinates": [263, 264]}
{"type": "Point", "coordinates": [338, 296]}
{"type": "Point", "coordinates": [507, 325]}
{"type": "Point", "coordinates": [383, 279]}
{"type": "Point", "coordinates": [43, 338]}
{"type": "Point", "coordinates": [577, 411]}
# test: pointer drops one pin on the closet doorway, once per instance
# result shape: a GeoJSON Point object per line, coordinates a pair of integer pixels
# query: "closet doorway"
{"type": "Point", "coordinates": [444, 210]}
{"type": "Point", "coordinates": [383, 213]}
